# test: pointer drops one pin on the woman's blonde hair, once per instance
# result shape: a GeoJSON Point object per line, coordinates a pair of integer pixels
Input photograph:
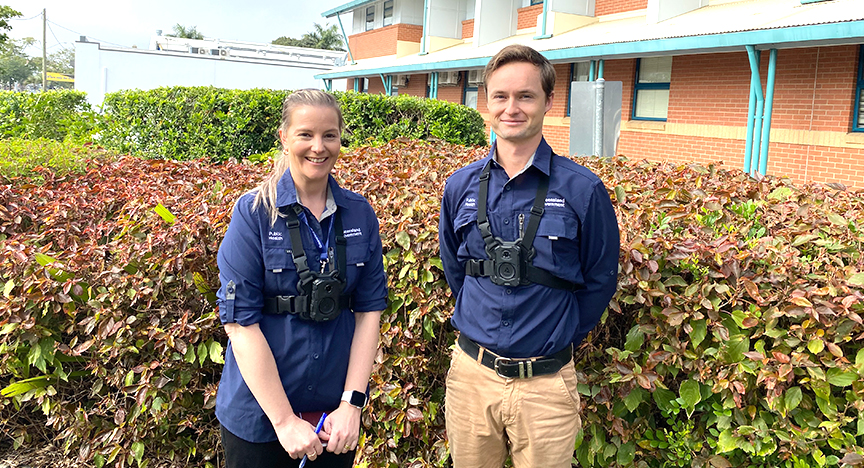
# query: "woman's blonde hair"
{"type": "Point", "coordinates": [266, 192]}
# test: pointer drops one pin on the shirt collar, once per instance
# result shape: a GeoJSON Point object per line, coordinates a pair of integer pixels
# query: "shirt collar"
{"type": "Point", "coordinates": [286, 193]}
{"type": "Point", "coordinates": [540, 158]}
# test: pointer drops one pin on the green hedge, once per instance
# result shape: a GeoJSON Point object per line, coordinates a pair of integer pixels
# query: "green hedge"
{"type": "Point", "coordinates": [205, 122]}
{"type": "Point", "coordinates": [734, 340]}
{"type": "Point", "coordinates": [53, 114]}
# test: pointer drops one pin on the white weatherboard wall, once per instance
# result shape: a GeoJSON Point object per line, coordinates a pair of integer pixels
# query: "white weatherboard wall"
{"type": "Point", "coordinates": [103, 70]}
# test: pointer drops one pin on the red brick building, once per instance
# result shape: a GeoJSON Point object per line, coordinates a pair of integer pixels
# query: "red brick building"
{"type": "Point", "coordinates": [774, 86]}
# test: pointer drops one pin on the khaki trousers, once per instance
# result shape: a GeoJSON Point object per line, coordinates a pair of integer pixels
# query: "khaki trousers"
{"type": "Point", "coordinates": [538, 418]}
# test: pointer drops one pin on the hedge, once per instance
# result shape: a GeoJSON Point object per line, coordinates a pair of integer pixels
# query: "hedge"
{"type": "Point", "coordinates": [734, 338]}
{"type": "Point", "coordinates": [53, 114]}
{"type": "Point", "coordinates": [206, 122]}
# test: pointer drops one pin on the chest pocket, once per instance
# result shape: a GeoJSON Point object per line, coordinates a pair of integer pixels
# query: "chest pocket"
{"type": "Point", "coordinates": [357, 256]}
{"type": "Point", "coordinates": [557, 244]}
{"type": "Point", "coordinates": [280, 274]}
{"type": "Point", "coordinates": [465, 226]}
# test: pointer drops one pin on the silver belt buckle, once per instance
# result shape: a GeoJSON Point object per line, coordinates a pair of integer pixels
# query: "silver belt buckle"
{"type": "Point", "coordinates": [525, 371]}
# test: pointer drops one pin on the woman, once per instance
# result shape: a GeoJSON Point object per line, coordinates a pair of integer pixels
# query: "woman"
{"type": "Point", "coordinates": [303, 329]}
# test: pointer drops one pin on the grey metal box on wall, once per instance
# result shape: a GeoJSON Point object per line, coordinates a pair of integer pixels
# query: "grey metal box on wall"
{"type": "Point", "coordinates": [584, 124]}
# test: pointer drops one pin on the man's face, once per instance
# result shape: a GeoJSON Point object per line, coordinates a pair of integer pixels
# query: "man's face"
{"type": "Point", "coordinates": [516, 102]}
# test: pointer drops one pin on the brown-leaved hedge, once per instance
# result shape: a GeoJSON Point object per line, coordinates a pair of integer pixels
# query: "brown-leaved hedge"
{"type": "Point", "coordinates": [734, 338]}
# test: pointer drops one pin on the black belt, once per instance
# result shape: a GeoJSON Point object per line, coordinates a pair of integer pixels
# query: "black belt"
{"type": "Point", "coordinates": [475, 267]}
{"type": "Point", "coordinates": [281, 305]}
{"type": "Point", "coordinates": [517, 368]}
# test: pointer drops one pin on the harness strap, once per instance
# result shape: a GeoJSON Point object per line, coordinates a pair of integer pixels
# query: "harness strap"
{"type": "Point", "coordinates": [533, 274]}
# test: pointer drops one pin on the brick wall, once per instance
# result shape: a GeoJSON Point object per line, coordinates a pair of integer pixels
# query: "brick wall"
{"type": "Point", "coordinates": [382, 41]}
{"type": "Point", "coordinates": [416, 86]}
{"type": "Point", "coordinates": [562, 85]}
{"type": "Point", "coordinates": [452, 93]}
{"type": "Point", "coordinates": [608, 7]}
{"type": "Point", "coordinates": [467, 29]}
{"type": "Point", "coordinates": [527, 17]}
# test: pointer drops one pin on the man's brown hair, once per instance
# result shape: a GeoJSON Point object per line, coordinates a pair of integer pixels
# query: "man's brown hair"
{"type": "Point", "coordinates": [520, 53]}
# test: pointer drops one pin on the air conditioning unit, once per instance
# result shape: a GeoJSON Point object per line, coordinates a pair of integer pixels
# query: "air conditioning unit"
{"type": "Point", "coordinates": [214, 52]}
{"type": "Point", "coordinates": [450, 78]}
{"type": "Point", "coordinates": [475, 77]}
{"type": "Point", "coordinates": [193, 50]}
{"type": "Point", "coordinates": [400, 81]}
{"type": "Point", "coordinates": [202, 51]}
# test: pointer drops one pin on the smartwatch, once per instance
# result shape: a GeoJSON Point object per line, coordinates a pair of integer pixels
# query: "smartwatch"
{"type": "Point", "coordinates": [355, 398]}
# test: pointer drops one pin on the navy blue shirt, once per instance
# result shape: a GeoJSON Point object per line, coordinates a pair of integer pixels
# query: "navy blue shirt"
{"type": "Point", "coordinates": [577, 240]}
{"type": "Point", "coordinates": [312, 357]}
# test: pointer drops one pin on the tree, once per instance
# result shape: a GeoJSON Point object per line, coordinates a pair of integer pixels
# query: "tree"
{"type": "Point", "coordinates": [186, 33]}
{"type": "Point", "coordinates": [62, 61]}
{"type": "Point", "coordinates": [5, 14]}
{"type": "Point", "coordinates": [318, 38]}
{"type": "Point", "coordinates": [16, 66]}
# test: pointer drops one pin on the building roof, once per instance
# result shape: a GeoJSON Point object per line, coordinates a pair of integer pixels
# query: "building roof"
{"type": "Point", "coordinates": [722, 26]}
{"type": "Point", "coordinates": [346, 7]}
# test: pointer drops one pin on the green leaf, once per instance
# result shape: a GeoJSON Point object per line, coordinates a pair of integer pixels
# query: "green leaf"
{"type": "Point", "coordinates": [855, 280]}
{"type": "Point", "coordinates": [165, 214]}
{"type": "Point", "coordinates": [792, 398]}
{"type": "Point", "coordinates": [216, 352]}
{"type": "Point", "coordinates": [620, 194]}
{"type": "Point", "coordinates": [634, 398]}
{"type": "Point", "coordinates": [138, 451]}
{"type": "Point", "coordinates": [816, 345]}
{"type": "Point", "coordinates": [202, 353]}
{"type": "Point", "coordinates": [23, 386]}
{"type": "Point", "coordinates": [700, 331]}
{"type": "Point", "coordinates": [819, 457]}
{"type": "Point", "coordinates": [780, 193]}
{"type": "Point", "coordinates": [403, 240]}
{"type": "Point", "coordinates": [7, 289]}
{"type": "Point", "coordinates": [635, 338]}
{"type": "Point", "coordinates": [839, 378]}
{"type": "Point", "coordinates": [436, 262]}
{"type": "Point", "coordinates": [664, 399]}
{"type": "Point", "coordinates": [727, 442]}
{"type": "Point", "coordinates": [690, 393]}
{"type": "Point", "coordinates": [626, 453]}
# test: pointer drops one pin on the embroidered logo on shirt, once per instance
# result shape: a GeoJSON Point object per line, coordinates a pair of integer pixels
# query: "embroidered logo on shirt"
{"type": "Point", "coordinates": [274, 235]}
{"type": "Point", "coordinates": [555, 202]}
{"type": "Point", "coordinates": [471, 202]}
{"type": "Point", "coordinates": [353, 232]}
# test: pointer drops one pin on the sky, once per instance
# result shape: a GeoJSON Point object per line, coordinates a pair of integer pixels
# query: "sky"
{"type": "Point", "coordinates": [128, 23]}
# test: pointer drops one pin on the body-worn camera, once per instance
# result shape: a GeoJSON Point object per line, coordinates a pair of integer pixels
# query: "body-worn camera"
{"type": "Point", "coordinates": [323, 299]}
{"type": "Point", "coordinates": [507, 263]}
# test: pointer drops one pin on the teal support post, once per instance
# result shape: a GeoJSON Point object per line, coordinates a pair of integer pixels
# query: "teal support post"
{"type": "Point", "coordinates": [543, 34]}
{"type": "Point", "coordinates": [433, 85]}
{"type": "Point", "coordinates": [748, 137]}
{"type": "Point", "coordinates": [387, 81]}
{"type": "Point", "coordinates": [345, 37]}
{"type": "Point", "coordinates": [756, 82]}
{"type": "Point", "coordinates": [491, 136]}
{"type": "Point", "coordinates": [356, 85]}
{"type": "Point", "coordinates": [424, 43]}
{"type": "Point", "coordinates": [769, 106]}
{"type": "Point", "coordinates": [591, 71]}
{"type": "Point", "coordinates": [600, 69]}
{"type": "Point", "coordinates": [328, 85]}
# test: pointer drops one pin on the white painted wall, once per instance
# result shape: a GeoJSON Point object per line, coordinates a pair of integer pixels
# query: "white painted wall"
{"type": "Point", "coordinates": [661, 10]}
{"type": "Point", "coordinates": [103, 70]}
{"type": "Point", "coordinates": [494, 20]}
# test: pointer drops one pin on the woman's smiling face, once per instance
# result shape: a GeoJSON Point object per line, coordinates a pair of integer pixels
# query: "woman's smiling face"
{"type": "Point", "coordinates": [313, 141]}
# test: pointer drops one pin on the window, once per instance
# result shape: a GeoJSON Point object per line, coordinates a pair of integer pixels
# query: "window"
{"type": "Point", "coordinates": [469, 94]}
{"type": "Point", "coordinates": [651, 93]}
{"type": "Point", "coordinates": [536, 2]}
{"type": "Point", "coordinates": [370, 18]}
{"type": "Point", "coordinates": [578, 72]}
{"type": "Point", "coordinates": [858, 124]}
{"type": "Point", "coordinates": [388, 12]}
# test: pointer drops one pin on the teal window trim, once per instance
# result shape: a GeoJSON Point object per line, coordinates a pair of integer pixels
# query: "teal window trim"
{"type": "Point", "coordinates": [858, 122]}
{"type": "Point", "coordinates": [804, 2]}
{"type": "Point", "coordinates": [536, 2]}
{"type": "Point", "coordinates": [569, 85]}
{"type": "Point", "coordinates": [644, 87]}
{"type": "Point", "coordinates": [466, 88]}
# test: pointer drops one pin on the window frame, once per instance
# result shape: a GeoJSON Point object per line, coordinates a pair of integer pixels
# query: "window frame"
{"type": "Point", "coordinates": [572, 74]}
{"type": "Point", "coordinates": [648, 87]}
{"type": "Point", "coordinates": [858, 119]}
{"type": "Point", "coordinates": [535, 2]}
{"type": "Point", "coordinates": [392, 10]}
{"type": "Point", "coordinates": [466, 88]}
{"type": "Point", "coordinates": [369, 25]}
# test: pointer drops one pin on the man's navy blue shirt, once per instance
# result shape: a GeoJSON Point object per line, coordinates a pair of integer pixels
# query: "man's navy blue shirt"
{"type": "Point", "coordinates": [312, 357]}
{"type": "Point", "coordinates": [577, 240]}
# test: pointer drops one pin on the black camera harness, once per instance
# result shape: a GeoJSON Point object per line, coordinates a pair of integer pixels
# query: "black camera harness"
{"type": "Point", "coordinates": [524, 245]}
{"type": "Point", "coordinates": [313, 303]}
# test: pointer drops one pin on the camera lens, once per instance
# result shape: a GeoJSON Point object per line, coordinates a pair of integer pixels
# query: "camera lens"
{"type": "Point", "coordinates": [326, 306]}
{"type": "Point", "coordinates": [505, 255]}
{"type": "Point", "coordinates": [506, 271]}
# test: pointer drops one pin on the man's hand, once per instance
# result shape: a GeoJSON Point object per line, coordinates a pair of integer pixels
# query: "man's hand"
{"type": "Point", "coordinates": [298, 438]}
{"type": "Point", "coordinates": [342, 429]}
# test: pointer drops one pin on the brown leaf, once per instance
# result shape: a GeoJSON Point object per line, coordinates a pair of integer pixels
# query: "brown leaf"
{"type": "Point", "coordinates": [784, 359]}
{"type": "Point", "coordinates": [754, 355]}
{"type": "Point", "coordinates": [752, 290]}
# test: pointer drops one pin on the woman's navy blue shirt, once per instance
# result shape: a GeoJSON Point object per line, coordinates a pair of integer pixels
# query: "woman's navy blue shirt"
{"type": "Point", "coordinates": [312, 357]}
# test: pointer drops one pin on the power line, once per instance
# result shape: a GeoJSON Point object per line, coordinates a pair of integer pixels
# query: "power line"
{"type": "Point", "coordinates": [80, 34]}
{"type": "Point", "coordinates": [55, 37]}
{"type": "Point", "coordinates": [25, 19]}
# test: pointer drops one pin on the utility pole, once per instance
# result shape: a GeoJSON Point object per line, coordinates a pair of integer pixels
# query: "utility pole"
{"type": "Point", "coordinates": [44, 52]}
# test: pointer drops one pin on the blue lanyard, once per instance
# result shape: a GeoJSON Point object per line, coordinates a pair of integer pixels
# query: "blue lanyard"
{"type": "Point", "coordinates": [322, 246]}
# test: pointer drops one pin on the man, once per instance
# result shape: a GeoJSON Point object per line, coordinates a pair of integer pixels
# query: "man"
{"type": "Point", "coordinates": [529, 243]}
